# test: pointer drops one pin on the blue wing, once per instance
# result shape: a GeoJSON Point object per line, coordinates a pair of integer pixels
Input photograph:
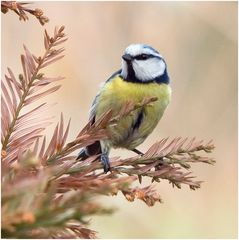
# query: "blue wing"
{"type": "Point", "coordinates": [94, 148]}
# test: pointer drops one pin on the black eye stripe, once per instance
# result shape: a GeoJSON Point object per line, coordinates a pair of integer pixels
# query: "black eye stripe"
{"type": "Point", "coordinates": [143, 56]}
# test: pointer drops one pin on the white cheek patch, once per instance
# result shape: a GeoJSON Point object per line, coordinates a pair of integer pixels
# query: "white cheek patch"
{"type": "Point", "coordinates": [148, 69]}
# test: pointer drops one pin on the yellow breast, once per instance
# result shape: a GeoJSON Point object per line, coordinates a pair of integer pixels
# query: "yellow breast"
{"type": "Point", "coordinates": [117, 92]}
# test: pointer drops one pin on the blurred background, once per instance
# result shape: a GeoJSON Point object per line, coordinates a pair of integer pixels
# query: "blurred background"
{"type": "Point", "coordinates": [199, 43]}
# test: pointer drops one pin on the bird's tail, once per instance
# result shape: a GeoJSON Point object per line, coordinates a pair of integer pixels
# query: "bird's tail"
{"type": "Point", "coordinates": [82, 155]}
{"type": "Point", "coordinates": [90, 150]}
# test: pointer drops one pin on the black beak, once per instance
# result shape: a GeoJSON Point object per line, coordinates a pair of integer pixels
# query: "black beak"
{"type": "Point", "coordinates": [127, 57]}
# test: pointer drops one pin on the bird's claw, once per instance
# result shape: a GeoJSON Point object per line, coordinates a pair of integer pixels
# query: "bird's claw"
{"type": "Point", "coordinates": [105, 161]}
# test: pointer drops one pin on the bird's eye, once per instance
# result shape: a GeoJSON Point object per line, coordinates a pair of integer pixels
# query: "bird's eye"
{"type": "Point", "coordinates": [142, 57]}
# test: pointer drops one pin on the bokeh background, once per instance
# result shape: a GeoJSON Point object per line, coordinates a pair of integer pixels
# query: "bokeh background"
{"type": "Point", "coordinates": [199, 43]}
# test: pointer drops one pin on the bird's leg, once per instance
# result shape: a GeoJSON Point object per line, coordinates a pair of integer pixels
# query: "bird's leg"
{"type": "Point", "coordinates": [137, 151]}
{"type": "Point", "coordinates": [104, 158]}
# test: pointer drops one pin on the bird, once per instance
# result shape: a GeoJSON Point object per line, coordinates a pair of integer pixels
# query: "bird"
{"type": "Point", "coordinates": [143, 73]}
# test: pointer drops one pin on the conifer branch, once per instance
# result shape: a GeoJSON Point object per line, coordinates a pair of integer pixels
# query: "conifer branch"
{"type": "Point", "coordinates": [19, 93]}
{"type": "Point", "coordinates": [20, 9]}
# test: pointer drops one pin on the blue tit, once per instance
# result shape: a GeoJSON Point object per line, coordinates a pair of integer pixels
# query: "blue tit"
{"type": "Point", "coordinates": [143, 74]}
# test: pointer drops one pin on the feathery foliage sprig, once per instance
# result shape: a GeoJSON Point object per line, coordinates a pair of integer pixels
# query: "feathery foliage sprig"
{"type": "Point", "coordinates": [46, 193]}
{"type": "Point", "coordinates": [20, 130]}
{"type": "Point", "coordinates": [20, 9]}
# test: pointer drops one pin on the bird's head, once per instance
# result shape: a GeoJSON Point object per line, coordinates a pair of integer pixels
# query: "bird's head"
{"type": "Point", "coordinates": [142, 63]}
